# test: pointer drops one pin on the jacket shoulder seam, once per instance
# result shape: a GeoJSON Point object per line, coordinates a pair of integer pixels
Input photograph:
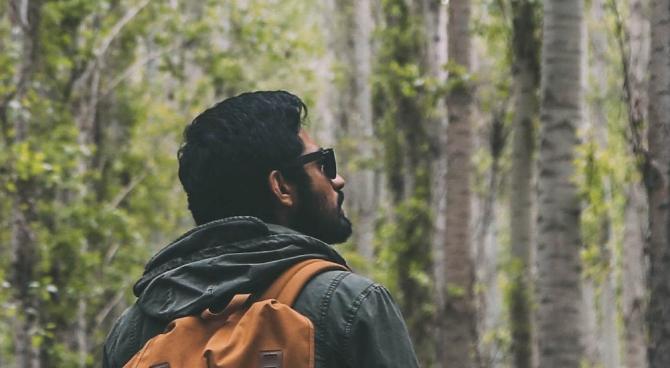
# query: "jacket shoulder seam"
{"type": "Point", "coordinates": [324, 305]}
{"type": "Point", "coordinates": [351, 314]}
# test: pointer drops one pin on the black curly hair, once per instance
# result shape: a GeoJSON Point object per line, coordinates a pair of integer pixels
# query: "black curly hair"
{"type": "Point", "coordinates": [230, 148]}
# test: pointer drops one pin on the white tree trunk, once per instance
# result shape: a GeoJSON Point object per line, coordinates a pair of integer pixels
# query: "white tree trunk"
{"type": "Point", "coordinates": [346, 111]}
{"type": "Point", "coordinates": [590, 324]}
{"type": "Point", "coordinates": [602, 337]}
{"type": "Point", "coordinates": [633, 288]}
{"type": "Point", "coordinates": [435, 20]}
{"type": "Point", "coordinates": [364, 196]}
{"type": "Point", "coordinates": [326, 103]}
{"type": "Point", "coordinates": [558, 239]}
{"type": "Point", "coordinates": [490, 299]}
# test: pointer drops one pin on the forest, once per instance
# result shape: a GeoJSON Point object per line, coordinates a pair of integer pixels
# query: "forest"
{"type": "Point", "coordinates": [507, 162]}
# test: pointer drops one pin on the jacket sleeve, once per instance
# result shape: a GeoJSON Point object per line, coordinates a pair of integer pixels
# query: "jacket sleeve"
{"type": "Point", "coordinates": [129, 334]}
{"type": "Point", "coordinates": [375, 334]}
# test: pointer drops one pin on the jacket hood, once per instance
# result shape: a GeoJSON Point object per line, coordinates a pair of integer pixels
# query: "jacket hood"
{"type": "Point", "coordinates": [211, 263]}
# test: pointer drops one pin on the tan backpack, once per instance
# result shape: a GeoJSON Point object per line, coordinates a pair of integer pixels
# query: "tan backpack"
{"type": "Point", "coordinates": [250, 332]}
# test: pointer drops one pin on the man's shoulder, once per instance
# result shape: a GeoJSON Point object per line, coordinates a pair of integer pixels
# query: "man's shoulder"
{"type": "Point", "coordinates": [128, 335]}
{"type": "Point", "coordinates": [336, 287]}
{"type": "Point", "coordinates": [332, 300]}
{"type": "Point", "coordinates": [352, 315]}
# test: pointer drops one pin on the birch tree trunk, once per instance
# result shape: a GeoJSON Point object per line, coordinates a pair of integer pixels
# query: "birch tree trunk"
{"type": "Point", "coordinates": [633, 295]}
{"type": "Point", "coordinates": [459, 314]}
{"type": "Point", "coordinates": [558, 237]}
{"type": "Point", "coordinates": [327, 102]}
{"type": "Point", "coordinates": [526, 83]}
{"type": "Point", "coordinates": [435, 20]}
{"type": "Point", "coordinates": [633, 278]}
{"type": "Point", "coordinates": [364, 197]}
{"type": "Point", "coordinates": [590, 304]}
{"type": "Point", "coordinates": [347, 105]}
{"type": "Point", "coordinates": [658, 186]}
{"type": "Point", "coordinates": [600, 301]}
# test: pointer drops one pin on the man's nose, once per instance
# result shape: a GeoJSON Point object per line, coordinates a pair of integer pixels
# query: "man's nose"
{"type": "Point", "coordinates": [338, 182]}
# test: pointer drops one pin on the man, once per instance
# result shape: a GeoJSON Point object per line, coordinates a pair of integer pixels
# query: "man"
{"type": "Point", "coordinates": [264, 196]}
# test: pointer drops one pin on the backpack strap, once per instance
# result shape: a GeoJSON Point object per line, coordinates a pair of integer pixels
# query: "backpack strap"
{"type": "Point", "coordinates": [289, 285]}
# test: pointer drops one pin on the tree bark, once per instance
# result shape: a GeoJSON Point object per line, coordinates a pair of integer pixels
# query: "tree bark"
{"type": "Point", "coordinates": [347, 107]}
{"type": "Point", "coordinates": [459, 314]}
{"type": "Point", "coordinates": [657, 177]}
{"type": "Point", "coordinates": [24, 247]}
{"type": "Point", "coordinates": [558, 241]}
{"type": "Point", "coordinates": [435, 20]}
{"type": "Point", "coordinates": [526, 83]}
{"type": "Point", "coordinates": [602, 340]}
{"type": "Point", "coordinates": [327, 103]}
{"type": "Point", "coordinates": [633, 295]}
{"type": "Point", "coordinates": [364, 197]}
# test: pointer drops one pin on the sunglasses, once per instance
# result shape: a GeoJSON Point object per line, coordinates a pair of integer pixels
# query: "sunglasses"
{"type": "Point", "coordinates": [326, 157]}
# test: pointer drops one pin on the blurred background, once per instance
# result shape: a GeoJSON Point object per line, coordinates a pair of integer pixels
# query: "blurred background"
{"type": "Point", "coordinates": [499, 157]}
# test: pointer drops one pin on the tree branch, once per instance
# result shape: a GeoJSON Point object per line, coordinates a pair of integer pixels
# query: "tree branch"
{"type": "Point", "coordinates": [102, 315]}
{"type": "Point", "coordinates": [129, 70]}
{"type": "Point", "coordinates": [100, 51]}
{"type": "Point", "coordinates": [126, 190]}
{"type": "Point", "coordinates": [116, 30]}
{"type": "Point", "coordinates": [114, 204]}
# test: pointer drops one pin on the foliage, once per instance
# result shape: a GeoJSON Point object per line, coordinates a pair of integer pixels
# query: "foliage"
{"type": "Point", "coordinates": [404, 96]}
{"type": "Point", "coordinates": [106, 192]}
{"type": "Point", "coordinates": [113, 82]}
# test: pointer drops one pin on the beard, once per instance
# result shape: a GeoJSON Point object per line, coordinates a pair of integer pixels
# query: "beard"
{"type": "Point", "coordinates": [316, 218]}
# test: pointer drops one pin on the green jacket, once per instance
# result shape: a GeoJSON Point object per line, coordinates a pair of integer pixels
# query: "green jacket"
{"type": "Point", "coordinates": [356, 322]}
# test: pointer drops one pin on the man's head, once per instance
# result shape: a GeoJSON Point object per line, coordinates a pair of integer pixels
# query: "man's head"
{"type": "Point", "coordinates": [239, 159]}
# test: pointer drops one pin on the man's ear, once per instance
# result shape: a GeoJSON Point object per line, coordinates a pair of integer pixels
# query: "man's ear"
{"type": "Point", "coordinates": [281, 189]}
